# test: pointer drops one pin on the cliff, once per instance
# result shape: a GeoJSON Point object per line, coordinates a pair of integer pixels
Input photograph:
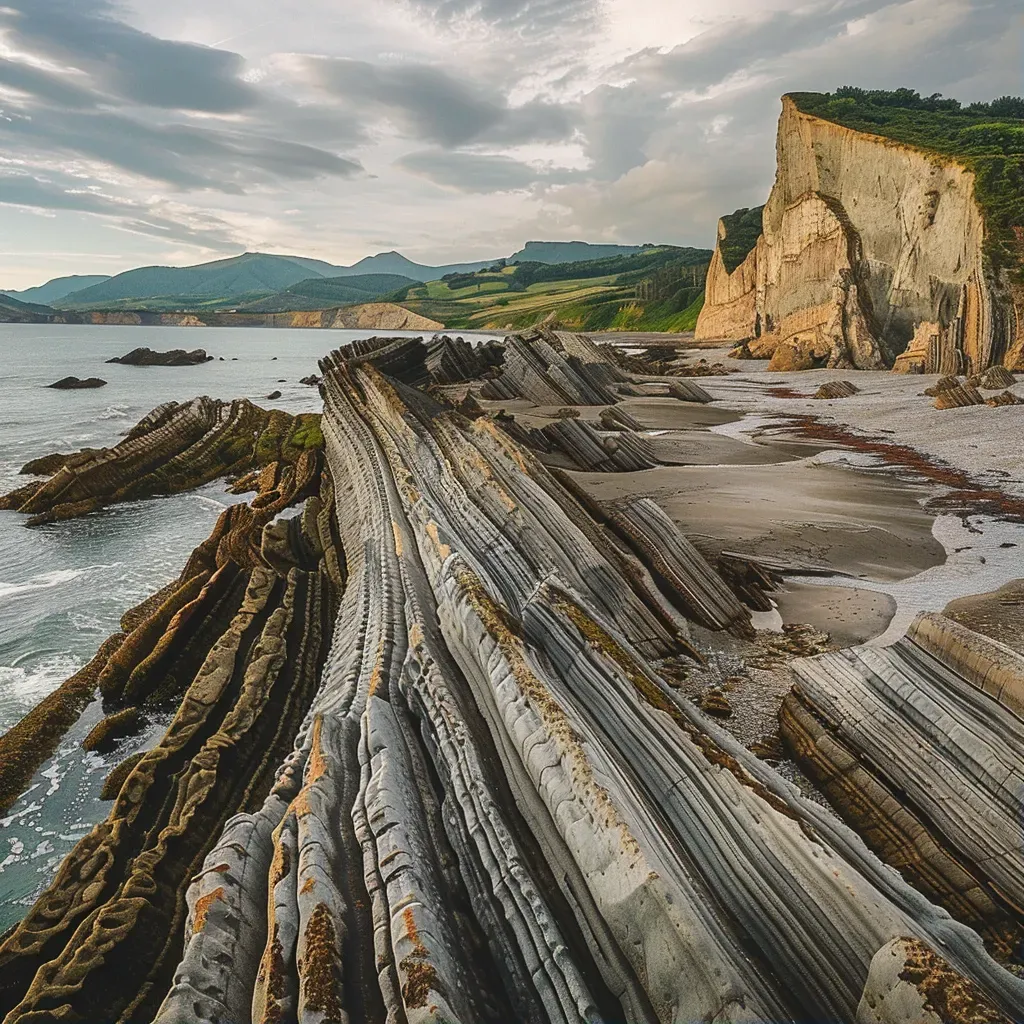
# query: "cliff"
{"type": "Point", "coordinates": [375, 316]}
{"type": "Point", "coordinates": [872, 254]}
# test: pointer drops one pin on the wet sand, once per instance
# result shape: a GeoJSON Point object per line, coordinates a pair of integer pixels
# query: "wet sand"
{"type": "Point", "coordinates": [998, 614]}
{"type": "Point", "coordinates": [852, 521]}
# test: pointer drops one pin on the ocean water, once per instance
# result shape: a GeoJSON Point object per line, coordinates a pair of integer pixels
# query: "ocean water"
{"type": "Point", "coordinates": [64, 586]}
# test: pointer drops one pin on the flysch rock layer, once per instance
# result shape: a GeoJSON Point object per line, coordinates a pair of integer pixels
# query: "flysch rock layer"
{"type": "Point", "coordinates": [488, 804]}
{"type": "Point", "coordinates": [920, 746]}
{"type": "Point", "coordinates": [870, 249]}
{"type": "Point", "coordinates": [505, 814]}
{"type": "Point", "coordinates": [236, 644]}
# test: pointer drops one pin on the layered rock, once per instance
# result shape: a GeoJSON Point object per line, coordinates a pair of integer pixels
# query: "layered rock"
{"type": "Point", "coordinates": [489, 804]}
{"type": "Point", "coordinates": [176, 447]}
{"type": "Point", "coordinates": [504, 811]}
{"type": "Point", "coordinates": [836, 279]}
{"type": "Point", "coordinates": [920, 747]}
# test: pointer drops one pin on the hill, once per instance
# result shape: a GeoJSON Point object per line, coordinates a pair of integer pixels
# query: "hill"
{"type": "Point", "coordinates": [396, 263]}
{"type": "Point", "coordinates": [57, 288]}
{"type": "Point", "coordinates": [569, 252]}
{"type": "Point", "coordinates": [325, 292]}
{"type": "Point", "coordinates": [657, 288]}
{"type": "Point", "coordinates": [14, 311]}
{"type": "Point", "coordinates": [252, 273]}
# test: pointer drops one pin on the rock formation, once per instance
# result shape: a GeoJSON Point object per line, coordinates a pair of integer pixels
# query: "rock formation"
{"type": "Point", "coordinates": [74, 383]}
{"type": "Point", "coordinates": [175, 448]}
{"type": "Point", "coordinates": [175, 357]}
{"type": "Point", "coordinates": [920, 747]}
{"type": "Point", "coordinates": [835, 279]}
{"type": "Point", "coordinates": [486, 803]}
{"type": "Point", "coordinates": [836, 389]}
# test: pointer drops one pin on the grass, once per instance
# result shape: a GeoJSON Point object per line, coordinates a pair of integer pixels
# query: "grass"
{"type": "Point", "coordinates": [742, 230]}
{"type": "Point", "coordinates": [987, 138]}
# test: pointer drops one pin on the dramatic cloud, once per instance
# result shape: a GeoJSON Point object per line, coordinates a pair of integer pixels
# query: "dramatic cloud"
{"type": "Point", "coordinates": [429, 103]}
{"type": "Point", "coordinates": [448, 128]}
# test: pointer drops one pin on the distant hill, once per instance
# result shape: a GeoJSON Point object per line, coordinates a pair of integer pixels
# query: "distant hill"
{"type": "Point", "coordinates": [252, 272]}
{"type": "Point", "coordinates": [57, 288]}
{"type": "Point", "coordinates": [569, 252]}
{"type": "Point", "coordinates": [264, 281]}
{"type": "Point", "coordinates": [326, 292]}
{"type": "Point", "coordinates": [654, 288]}
{"type": "Point", "coordinates": [18, 312]}
{"type": "Point", "coordinates": [396, 263]}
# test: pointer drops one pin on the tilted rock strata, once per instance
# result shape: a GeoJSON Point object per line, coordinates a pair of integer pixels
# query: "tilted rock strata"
{"type": "Point", "coordinates": [504, 812]}
{"type": "Point", "coordinates": [175, 448]}
{"type": "Point", "coordinates": [495, 809]}
{"type": "Point", "coordinates": [837, 277]}
{"type": "Point", "coordinates": [919, 746]}
{"type": "Point", "coordinates": [239, 646]}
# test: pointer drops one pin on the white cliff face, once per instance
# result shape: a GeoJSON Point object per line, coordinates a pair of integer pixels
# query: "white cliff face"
{"type": "Point", "coordinates": [864, 239]}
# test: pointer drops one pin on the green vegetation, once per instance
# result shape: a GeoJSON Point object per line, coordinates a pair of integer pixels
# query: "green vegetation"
{"type": "Point", "coordinates": [742, 230]}
{"type": "Point", "coordinates": [987, 138]}
{"type": "Point", "coordinates": [658, 288]}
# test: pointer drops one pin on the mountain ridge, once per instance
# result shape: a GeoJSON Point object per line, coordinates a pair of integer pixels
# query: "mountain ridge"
{"type": "Point", "coordinates": [252, 276]}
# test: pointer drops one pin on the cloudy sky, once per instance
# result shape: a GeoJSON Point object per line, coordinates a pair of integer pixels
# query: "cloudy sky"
{"type": "Point", "coordinates": [175, 131]}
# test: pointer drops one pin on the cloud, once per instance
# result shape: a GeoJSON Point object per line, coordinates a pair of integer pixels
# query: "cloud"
{"type": "Point", "coordinates": [470, 172]}
{"type": "Point", "coordinates": [120, 61]}
{"type": "Point", "coordinates": [160, 220]}
{"type": "Point", "coordinates": [431, 104]}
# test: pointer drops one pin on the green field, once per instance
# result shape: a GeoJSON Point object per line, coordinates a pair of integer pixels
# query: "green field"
{"type": "Point", "coordinates": [658, 289]}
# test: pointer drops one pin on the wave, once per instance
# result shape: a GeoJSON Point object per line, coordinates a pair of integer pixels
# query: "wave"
{"type": "Point", "coordinates": [115, 412]}
{"type": "Point", "coordinates": [41, 582]}
{"type": "Point", "coordinates": [21, 687]}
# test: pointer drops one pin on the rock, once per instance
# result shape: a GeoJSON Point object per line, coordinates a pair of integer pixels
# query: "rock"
{"type": "Point", "coordinates": [948, 383]}
{"type": "Point", "coordinates": [827, 265]}
{"type": "Point", "coordinates": [109, 730]}
{"type": "Point", "coordinates": [836, 389]}
{"type": "Point", "coordinates": [312, 380]}
{"type": "Point", "coordinates": [714, 702]}
{"type": "Point", "coordinates": [797, 354]}
{"type": "Point", "coordinates": [874, 728]}
{"type": "Point", "coordinates": [996, 377]}
{"type": "Point", "coordinates": [422, 730]}
{"type": "Point", "coordinates": [1006, 398]}
{"type": "Point", "coordinates": [176, 357]}
{"type": "Point", "coordinates": [72, 383]}
{"type": "Point", "coordinates": [273, 396]}
{"type": "Point", "coordinates": [958, 396]}
{"type": "Point", "coordinates": [176, 447]}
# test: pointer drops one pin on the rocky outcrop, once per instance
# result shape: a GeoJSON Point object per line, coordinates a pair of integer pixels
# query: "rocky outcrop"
{"type": "Point", "coordinates": [74, 383]}
{"type": "Point", "coordinates": [175, 357]}
{"type": "Point", "coordinates": [489, 803]}
{"type": "Point", "coordinates": [919, 746]}
{"type": "Point", "coordinates": [841, 280]}
{"type": "Point", "coordinates": [556, 368]}
{"type": "Point", "coordinates": [836, 389]}
{"type": "Point", "coordinates": [175, 448]}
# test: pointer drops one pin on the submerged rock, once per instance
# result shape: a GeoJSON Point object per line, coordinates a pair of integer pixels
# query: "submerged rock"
{"type": "Point", "coordinates": [176, 357]}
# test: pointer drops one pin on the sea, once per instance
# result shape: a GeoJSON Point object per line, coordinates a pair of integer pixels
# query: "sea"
{"type": "Point", "coordinates": [64, 586]}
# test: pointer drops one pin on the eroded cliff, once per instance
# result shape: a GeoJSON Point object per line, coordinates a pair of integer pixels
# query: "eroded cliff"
{"type": "Point", "coordinates": [871, 255]}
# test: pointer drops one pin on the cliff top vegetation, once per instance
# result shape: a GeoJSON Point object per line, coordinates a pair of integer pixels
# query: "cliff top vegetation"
{"type": "Point", "coordinates": [742, 230]}
{"type": "Point", "coordinates": [986, 137]}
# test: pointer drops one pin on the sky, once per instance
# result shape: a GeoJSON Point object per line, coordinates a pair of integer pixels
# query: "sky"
{"type": "Point", "coordinates": [136, 132]}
